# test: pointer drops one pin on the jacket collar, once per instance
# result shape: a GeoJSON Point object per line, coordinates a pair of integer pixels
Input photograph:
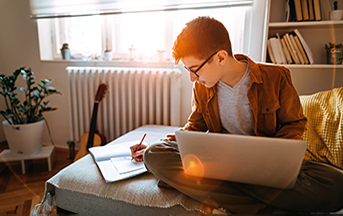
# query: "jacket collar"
{"type": "Point", "coordinates": [255, 72]}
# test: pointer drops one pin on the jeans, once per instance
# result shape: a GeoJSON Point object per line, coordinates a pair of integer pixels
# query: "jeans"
{"type": "Point", "coordinates": [319, 187]}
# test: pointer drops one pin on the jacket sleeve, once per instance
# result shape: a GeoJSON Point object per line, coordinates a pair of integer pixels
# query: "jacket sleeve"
{"type": "Point", "coordinates": [195, 121]}
{"type": "Point", "coordinates": [291, 120]}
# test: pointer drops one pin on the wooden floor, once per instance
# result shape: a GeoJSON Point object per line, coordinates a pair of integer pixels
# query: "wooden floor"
{"type": "Point", "coordinates": [17, 191]}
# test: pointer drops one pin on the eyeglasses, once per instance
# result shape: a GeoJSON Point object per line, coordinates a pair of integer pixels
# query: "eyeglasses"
{"type": "Point", "coordinates": [202, 65]}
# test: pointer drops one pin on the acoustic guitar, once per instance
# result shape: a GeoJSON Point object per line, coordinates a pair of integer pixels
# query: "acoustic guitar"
{"type": "Point", "coordinates": [92, 138]}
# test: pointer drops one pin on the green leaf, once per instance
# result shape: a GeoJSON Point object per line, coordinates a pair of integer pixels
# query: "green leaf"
{"type": "Point", "coordinates": [14, 100]}
{"type": "Point", "coordinates": [34, 88]}
{"type": "Point", "coordinates": [23, 74]}
{"type": "Point", "coordinates": [22, 89]}
{"type": "Point", "coordinates": [22, 108]}
{"type": "Point", "coordinates": [36, 94]}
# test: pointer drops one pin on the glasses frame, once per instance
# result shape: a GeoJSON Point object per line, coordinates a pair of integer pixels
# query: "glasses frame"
{"type": "Point", "coordinates": [202, 65]}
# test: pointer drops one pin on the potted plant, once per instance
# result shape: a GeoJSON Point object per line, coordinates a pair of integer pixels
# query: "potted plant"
{"type": "Point", "coordinates": [24, 122]}
{"type": "Point", "coordinates": [161, 54]}
{"type": "Point", "coordinates": [335, 13]}
{"type": "Point", "coordinates": [334, 53]}
{"type": "Point", "coordinates": [108, 54]}
{"type": "Point", "coordinates": [65, 51]}
{"type": "Point", "coordinates": [132, 50]}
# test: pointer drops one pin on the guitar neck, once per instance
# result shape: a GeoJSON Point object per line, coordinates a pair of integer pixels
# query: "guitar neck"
{"type": "Point", "coordinates": [93, 124]}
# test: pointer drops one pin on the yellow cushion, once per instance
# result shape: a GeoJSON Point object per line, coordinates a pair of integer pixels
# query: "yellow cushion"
{"type": "Point", "coordinates": [324, 134]}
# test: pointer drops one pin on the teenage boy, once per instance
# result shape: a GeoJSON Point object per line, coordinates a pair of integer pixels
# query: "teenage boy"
{"type": "Point", "coordinates": [233, 94]}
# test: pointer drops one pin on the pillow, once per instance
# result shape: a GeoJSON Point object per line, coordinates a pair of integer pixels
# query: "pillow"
{"type": "Point", "coordinates": [324, 134]}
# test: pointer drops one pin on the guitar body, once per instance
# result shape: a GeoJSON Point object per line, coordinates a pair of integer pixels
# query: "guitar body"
{"type": "Point", "coordinates": [83, 149]}
{"type": "Point", "coordinates": [103, 138]}
{"type": "Point", "coordinates": [93, 138]}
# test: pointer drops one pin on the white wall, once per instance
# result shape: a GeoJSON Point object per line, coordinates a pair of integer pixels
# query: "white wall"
{"type": "Point", "coordinates": [19, 47]}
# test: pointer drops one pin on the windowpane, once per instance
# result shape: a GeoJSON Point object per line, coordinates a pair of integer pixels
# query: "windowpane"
{"type": "Point", "coordinates": [83, 34]}
{"type": "Point", "coordinates": [147, 32]}
{"type": "Point", "coordinates": [233, 19]}
{"type": "Point", "coordinates": [144, 31]}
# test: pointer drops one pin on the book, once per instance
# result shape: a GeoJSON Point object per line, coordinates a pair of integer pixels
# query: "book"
{"type": "Point", "coordinates": [301, 49]}
{"type": "Point", "coordinates": [305, 12]}
{"type": "Point", "coordinates": [282, 54]}
{"type": "Point", "coordinates": [310, 9]}
{"type": "Point", "coordinates": [275, 49]}
{"type": "Point", "coordinates": [291, 49]}
{"type": "Point", "coordinates": [296, 48]}
{"type": "Point", "coordinates": [317, 10]}
{"type": "Point", "coordinates": [284, 39]}
{"type": "Point", "coordinates": [286, 51]}
{"type": "Point", "coordinates": [270, 52]}
{"type": "Point", "coordinates": [115, 162]}
{"type": "Point", "coordinates": [298, 10]}
{"type": "Point", "coordinates": [295, 10]}
{"type": "Point", "coordinates": [306, 47]}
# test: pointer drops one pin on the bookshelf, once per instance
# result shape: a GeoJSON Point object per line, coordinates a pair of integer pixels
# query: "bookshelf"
{"type": "Point", "coordinates": [316, 34]}
{"type": "Point", "coordinates": [307, 24]}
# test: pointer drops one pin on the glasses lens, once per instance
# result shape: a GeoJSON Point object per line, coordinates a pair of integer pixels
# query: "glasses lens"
{"type": "Point", "coordinates": [195, 72]}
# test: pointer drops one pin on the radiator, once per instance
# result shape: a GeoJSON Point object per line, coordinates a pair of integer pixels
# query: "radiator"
{"type": "Point", "coordinates": [136, 97]}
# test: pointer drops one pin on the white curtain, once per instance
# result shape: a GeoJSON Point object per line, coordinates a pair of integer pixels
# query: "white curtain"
{"type": "Point", "coordinates": [70, 8]}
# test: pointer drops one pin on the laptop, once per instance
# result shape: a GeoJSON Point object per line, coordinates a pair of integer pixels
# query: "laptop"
{"type": "Point", "coordinates": [272, 162]}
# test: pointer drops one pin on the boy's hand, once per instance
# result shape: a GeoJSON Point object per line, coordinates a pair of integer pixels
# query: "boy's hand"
{"type": "Point", "coordinates": [137, 154]}
{"type": "Point", "coordinates": [169, 137]}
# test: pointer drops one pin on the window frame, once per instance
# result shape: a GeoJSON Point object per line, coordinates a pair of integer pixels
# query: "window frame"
{"type": "Point", "coordinates": [55, 52]}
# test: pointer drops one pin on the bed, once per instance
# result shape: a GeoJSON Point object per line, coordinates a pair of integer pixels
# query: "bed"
{"type": "Point", "coordinates": [80, 187]}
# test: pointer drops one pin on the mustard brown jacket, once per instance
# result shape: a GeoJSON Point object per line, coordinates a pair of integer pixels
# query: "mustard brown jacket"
{"type": "Point", "coordinates": [276, 107]}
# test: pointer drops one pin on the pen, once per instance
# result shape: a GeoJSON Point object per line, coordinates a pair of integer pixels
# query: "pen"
{"type": "Point", "coordinates": [139, 145]}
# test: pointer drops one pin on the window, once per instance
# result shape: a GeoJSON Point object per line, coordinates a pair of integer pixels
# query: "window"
{"type": "Point", "coordinates": [83, 34]}
{"type": "Point", "coordinates": [143, 37]}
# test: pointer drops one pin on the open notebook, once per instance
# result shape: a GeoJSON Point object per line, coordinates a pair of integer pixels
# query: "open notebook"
{"type": "Point", "coordinates": [115, 161]}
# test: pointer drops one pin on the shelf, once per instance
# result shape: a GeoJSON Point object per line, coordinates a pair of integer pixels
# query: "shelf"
{"type": "Point", "coordinates": [309, 24]}
{"type": "Point", "coordinates": [317, 66]}
{"type": "Point", "coordinates": [315, 33]}
{"type": "Point", "coordinates": [47, 152]}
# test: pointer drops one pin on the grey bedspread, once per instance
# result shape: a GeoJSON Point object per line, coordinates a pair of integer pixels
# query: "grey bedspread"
{"type": "Point", "coordinates": [80, 187]}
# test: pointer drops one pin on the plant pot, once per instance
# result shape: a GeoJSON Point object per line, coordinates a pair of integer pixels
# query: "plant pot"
{"type": "Point", "coordinates": [336, 14]}
{"type": "Point", "coordinates": [108, 55]}
{"type": "Point", "coordinates": [66, 54]}
{"type": "Point", "coordinates": [334, 56]}
{"type": "Point", "coordinates": [24, 139]}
